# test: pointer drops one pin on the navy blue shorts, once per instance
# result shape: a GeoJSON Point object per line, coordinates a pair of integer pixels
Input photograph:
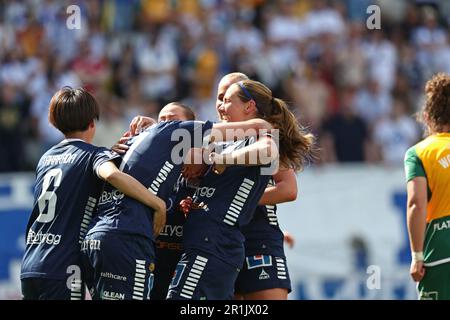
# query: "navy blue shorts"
{"type": "Point", "coordinates": [165, 265]}
{"type": "Point", "coordinates": [263, 272]}
{"type": "Point", "coordinates": [118, 266]}
{"type": "Point", "coordinates": [48, 289]}
{"type": "Point", "coordinates": [201, 276]}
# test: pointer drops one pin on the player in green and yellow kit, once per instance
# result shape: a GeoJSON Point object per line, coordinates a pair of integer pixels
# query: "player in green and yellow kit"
{"type": "Point", "coordinates": [427, 166]}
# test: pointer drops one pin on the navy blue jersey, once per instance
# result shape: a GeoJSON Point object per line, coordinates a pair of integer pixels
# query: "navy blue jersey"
{"type": "Point", "coordinates": [171, 236]}
{"type": "Point", "coordinates": [155, 159]}
{"type": "Point", "coordinates": [66, 192]}
{"type": "Point", "coordinates": [168, 246]}
{"type": "Point", "coordinates": [223, 204]}
{"type": "Point", "coordinates": [263, 234]}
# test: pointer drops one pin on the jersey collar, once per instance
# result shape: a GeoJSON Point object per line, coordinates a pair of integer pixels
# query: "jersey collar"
{"type": "Point", "coordinates": [70, 140]}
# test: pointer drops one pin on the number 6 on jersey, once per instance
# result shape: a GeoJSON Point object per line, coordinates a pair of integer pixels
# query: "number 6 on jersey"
{"type": "Point", "coordinates": [49, 196]}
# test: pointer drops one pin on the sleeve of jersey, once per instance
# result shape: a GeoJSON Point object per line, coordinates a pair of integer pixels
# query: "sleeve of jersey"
{"type": "Point", "coordinates": [103, 155]}
{"type": "Point", "coordinates": [413, 165]}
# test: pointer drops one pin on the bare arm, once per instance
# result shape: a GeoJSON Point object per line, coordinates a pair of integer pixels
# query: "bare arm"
{"type": "Point", "coordinates": [226, 131]}
{"type": "Point", "coordinates": [416, 221]}
{"type": "Point", "coordinates": [262, 152]}
{"type": "Point", "coordinates": [285, 188]}
{"type": "Point", "coordinates": [220, 131]}
{"type": "Point", "coordinates": [134, 189]}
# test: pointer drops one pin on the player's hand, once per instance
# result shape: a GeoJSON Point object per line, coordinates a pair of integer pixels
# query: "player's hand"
{"type": "Point", "coordinates": [194, 166]}
{"type": "Point", "coordinates": [159, 219]}
{"type": "Point", "coordinates": [186, 205]}
{"type": "Point", "coordinates": [120, 147]}
{"type": "Point", "coordinates": [218, 162]}
{"type": "Point", "coordinates": [140, 123]}
{"type": "Point", "coordinates": [289, 239]}
{"type": "Point", "coordinates": [193, 171]}
{"type": "Point", "coordinates": [417, 270]}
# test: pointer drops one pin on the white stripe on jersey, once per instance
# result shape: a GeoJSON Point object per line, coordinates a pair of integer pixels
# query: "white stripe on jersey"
{"type": "Point", "coordinates": [238, 202]}
{"type": "Point", "coordinates": [192, 279]}
{"type": "Point", "coordinates": [139, 280]}
{"type": "Point", "coordinates": [271, 209]}
{"type": "Point", "coordinates": [87, 217]}
{"type": "Point", "coordinates": [161, 177]}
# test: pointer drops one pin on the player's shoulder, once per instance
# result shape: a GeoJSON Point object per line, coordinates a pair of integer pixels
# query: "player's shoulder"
{"type": "Point", "coordinates": [429, 144]}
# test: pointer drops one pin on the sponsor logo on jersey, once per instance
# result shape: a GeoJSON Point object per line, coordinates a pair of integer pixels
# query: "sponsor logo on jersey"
{"type": "Point", "coordinates": [91, 244]}
{"type": "Point", "coordinates": [111, 295]}
{"type": "Point", "coordinates": [445, 161]}
{"type": "Point", "coordinates": [40, 238]}
{"type": "Point", "coordinates": [172, 230]}
{"type": "Point", "coordinates": [432, 295]}
{"type": "Point", "coordinates": [113, 276]}
{"type": "Point", "coordinates": [263, 275]}
{"type": "Point", "coordinates": [258, 261]}
{"type": "Point", "coordinates": [169, 245]}
{"type": "Point", "coordinates": [205, 192]}
{"type": "Point", "coordinates": [110, 196]}
{"type": "Point", "coordinates": [439, 226]}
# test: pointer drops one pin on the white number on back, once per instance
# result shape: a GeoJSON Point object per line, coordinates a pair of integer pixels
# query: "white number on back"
{"type": "Point", "coordinates": [47, 199]}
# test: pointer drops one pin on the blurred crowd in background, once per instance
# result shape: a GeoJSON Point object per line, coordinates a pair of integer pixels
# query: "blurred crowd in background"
{"type": "Point", "coordinates": [357, 89]}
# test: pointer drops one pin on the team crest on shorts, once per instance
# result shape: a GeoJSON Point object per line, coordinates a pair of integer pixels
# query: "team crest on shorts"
{"type": "Point", "coordinates": [263, 275]}
{"type": "Point", "coordinates": [258, 261]}
{"type": "Point", "coordinates": [151, 267]}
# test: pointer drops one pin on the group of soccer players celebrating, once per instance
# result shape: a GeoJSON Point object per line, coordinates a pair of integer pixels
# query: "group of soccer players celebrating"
{"type": "Point", "coordinates": [146, 221]}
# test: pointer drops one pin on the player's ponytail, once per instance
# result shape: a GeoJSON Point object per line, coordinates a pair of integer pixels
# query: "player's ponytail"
{"type": "Point", "coordinates": [296, 143]}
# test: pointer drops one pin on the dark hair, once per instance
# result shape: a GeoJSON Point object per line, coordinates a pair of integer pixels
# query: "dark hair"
{"type": "Point", "coordinates": [295, 142]}
{"type": "Point", "coordinates": [190, 115]}
{"type": "Point", "coordinates": [437, 105]}
{"type": "Point", "coordinates": [72, 110]}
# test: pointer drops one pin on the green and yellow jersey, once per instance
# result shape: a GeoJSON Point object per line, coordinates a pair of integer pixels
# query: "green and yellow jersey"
{"type": "Point", "coordinates": [430, 158]}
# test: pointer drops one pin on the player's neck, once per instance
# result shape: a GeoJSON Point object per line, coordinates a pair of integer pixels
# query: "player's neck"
{"type": "Point", "coordinates": [446, 129]}
{"type": "Point", "coordinates": [82, 135]}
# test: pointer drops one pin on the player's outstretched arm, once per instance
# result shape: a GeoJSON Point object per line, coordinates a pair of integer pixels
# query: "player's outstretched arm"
{"type": "Point", "coordinates": [131, 187]}
{"type": "Point", "coordinates": [262, 152]}
{"type": "Point", "coordinates": [416, 222]}
{"type": "Point", "coordinates": [226, 131]}
{"type": "Point", "coordinates": [284, 190]}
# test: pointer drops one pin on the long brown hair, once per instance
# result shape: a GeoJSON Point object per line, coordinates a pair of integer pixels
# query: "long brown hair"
{"type": "Point", "coordinates": [296, 143]}
{"type": "Point", "coordinates": [436, 112]}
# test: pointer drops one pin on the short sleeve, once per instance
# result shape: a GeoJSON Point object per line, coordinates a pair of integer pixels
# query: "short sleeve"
{"type": "Point", "coordinates": [413, 165]}
{"type": "Point", "coordinates": [101, 156]}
